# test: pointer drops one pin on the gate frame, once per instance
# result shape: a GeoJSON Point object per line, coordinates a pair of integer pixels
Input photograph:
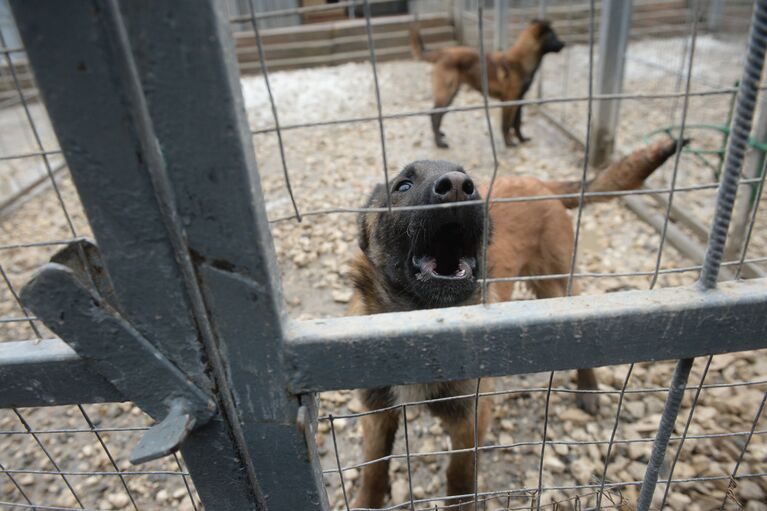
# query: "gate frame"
{"type": "Point", "coordinates": [199, 232]}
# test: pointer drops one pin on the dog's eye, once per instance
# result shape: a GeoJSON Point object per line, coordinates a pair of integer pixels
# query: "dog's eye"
{"type": "Point", "coordinates": [404, 186]}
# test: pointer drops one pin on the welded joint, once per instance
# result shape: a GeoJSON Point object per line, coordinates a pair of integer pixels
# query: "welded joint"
{"type": "Point", "coordinates": [71, 299]}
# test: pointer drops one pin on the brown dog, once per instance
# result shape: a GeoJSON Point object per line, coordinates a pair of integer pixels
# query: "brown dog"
{"type": "Point", "coordinates": [420, 259]}
{"type": "Point", "coordinates": [509, 73]}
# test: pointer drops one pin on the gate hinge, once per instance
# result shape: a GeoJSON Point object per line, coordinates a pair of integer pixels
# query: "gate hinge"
{"type": "Point", "coordinates": [73, 296]}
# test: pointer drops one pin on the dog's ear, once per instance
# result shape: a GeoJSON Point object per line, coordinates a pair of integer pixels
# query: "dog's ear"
{"type": "Point", "coordinates": [542, 26]}
{"type": "Point", "coordinates": [364, 217]}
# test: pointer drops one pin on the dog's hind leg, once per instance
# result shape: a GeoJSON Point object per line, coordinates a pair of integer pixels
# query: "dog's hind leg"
{"type": "Point", "coordinates": [445, 85]}
{"type": "Point", "coordinates": [378, 432]}
{"type": "Point", "coordinates": [518, 126]}
{"type": "Point", "coordinates": [460, 471]}
{"type": "Point", "coordinates": [587, 380]}
{"type": "Point", "coordinates": [508, 118]}
{"type": "Point", "coordinates": [555, 288]}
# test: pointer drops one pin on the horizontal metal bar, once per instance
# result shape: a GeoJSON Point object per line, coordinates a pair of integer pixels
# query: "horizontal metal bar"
{"type": "Point", "coordinates": [30, 155]}
{"type": "Point", "coordinates": [3, 49]}
{"type": "Point", "coordinates": [20, 319]}
{"type": "Point", "coordinates": [516, 445]}
{"type": "Point", "coordinates": [534, 390]}
{"type": "Point", "coordinates": [57, 372]}
{"type": "Point", "coordinates": [94, 472]}
{"type": "Point", "coordinates": [620, 274]}
{"type": "Point", "coordinates": [37, 244]}
{"type": "Point", "coordinates": [684, 243]}
{"type": "Point", "coordinates": [48, 373]}
{"type": "Point", "coordinates": [70, 431]}
{"type": "Point", "coordinates": [302, 10]}
{"type": "Point", "coordinates": [526, 337]}
{"type": "Point", "coordinates": [626, 96]}
{"type": "Point", "coordinates": [507, 200]}
{"type": "Point", "coordinates": [530, 492]}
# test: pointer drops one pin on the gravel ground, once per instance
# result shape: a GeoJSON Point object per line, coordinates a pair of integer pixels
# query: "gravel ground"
{"type": "Point", "coordinates": [334, 167]}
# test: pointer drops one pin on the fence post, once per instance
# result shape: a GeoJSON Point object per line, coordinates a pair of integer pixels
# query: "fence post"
{"type": "Point", "coordinates": [501, 31]}
{"type": "Point", "coordinates": [715, 15]}
{"type": "Point", "coordinates": [752, 168]}
{"type": "Point", "coordinates": [541, 15]}
{"type": "Point", "coordinates": [161, 154]}
{"type": "Point", "coordinates": [613, 41]}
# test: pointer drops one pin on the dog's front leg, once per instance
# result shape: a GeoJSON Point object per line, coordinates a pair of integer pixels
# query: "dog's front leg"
{"type": "Point", "coordinates": [508, 114]}
{"type": "Point", "coordinates": [587, 380]}
{"type": "Point", "coordinates": [460, 471]}
{"type": "Point", "coordinates": [378, 432]}
{"type": "Point", "coordinates": [518, 126]}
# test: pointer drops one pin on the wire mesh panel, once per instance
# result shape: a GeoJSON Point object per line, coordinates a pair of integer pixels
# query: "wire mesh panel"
{"type": "Point", "coordinates": [324, 137]}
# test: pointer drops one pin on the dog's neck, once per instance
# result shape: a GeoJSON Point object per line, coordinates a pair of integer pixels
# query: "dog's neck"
{"type": "Point", "coordinates": [526, 51]}
{"type": "Point", "coordinates": [373, 296]}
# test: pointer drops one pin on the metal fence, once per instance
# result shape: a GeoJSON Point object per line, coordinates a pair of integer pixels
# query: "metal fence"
{"type": "Point", "coordinates": [178, 308]}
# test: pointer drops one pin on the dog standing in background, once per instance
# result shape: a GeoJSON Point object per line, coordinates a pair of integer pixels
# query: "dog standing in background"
{"type": "Point", "coordinates": [429, 258]}
{"type": "Point", "coordinates": [509, 73]}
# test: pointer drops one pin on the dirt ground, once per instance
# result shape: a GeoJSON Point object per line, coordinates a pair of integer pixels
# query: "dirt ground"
{"type": "Point", "coordinates": [334, 166]}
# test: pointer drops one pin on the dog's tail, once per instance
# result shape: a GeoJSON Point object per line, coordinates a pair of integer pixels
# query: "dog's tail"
{"type": "Point", "coordinates": [417, 48]}
{"type": "Point", "coordinates": [627, 174]}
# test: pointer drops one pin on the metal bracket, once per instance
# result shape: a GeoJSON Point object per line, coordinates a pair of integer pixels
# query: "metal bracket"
{"type": "Point", "coordinates": [73, 296]}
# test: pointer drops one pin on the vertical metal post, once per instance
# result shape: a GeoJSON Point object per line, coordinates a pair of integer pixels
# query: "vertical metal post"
{"type": "Point", "coordinates": [501, 29]}
{"type": "Point", "coordinates": [613, 41]}
{"type": "Point", "coordinates": [715, 15]}
{"type": "Point", "coordinates": [182, 229]}
{"type": "Point", "coordinates": [665, 428]}
{"type": "Point", "coordinates": [459, 6]}
{"type": "Point", "coordinates": [741, 127]}
{"type": "Point", "coordinates": [287, 20]}
{"type": "Point", "coordinates": [751, 169]}
{"type": "Point", "coordinates": [8, 29]}
{"type": "Point", "coordinates": [737, 144]}
{"type": "Point", "coordinates": [221, 205]}
{"type": "Point", "coordinates": [541, 15]}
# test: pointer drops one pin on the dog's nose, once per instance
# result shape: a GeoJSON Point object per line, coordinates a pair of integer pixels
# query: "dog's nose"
{"type": "Point", "coordinates": [453, 187]}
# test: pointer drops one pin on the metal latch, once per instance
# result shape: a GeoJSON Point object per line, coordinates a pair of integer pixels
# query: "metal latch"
{"type": "Point", "coordinates": [73, 296]}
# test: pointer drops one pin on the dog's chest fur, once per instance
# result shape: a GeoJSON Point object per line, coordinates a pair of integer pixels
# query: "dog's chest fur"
{"type": "Point", "coordinates": [372, 297]}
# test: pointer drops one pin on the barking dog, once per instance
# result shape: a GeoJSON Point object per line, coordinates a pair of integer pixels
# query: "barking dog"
{"type": "Point", "coordinates": [420, 259]}
{"type": "Point", "coordinates": [509, 73]}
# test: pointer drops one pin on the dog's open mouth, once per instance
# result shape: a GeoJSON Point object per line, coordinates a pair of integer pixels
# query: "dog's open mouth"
{"type": "Point", "coordinates": [445, 256]}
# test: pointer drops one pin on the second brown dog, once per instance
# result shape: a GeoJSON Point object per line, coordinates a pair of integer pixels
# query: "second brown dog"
{"type": "Point", "coordinates": [509, 73]}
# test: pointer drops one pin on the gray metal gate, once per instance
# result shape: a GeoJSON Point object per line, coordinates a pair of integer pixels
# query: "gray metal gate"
{"type": "Point", "coordinates": [179, 309]}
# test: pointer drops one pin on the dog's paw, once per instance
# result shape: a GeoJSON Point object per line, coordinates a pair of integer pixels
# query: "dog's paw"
{"type": "Point", "coordinates": [589, 403]}
{"type": "Point", "coordinates": [522, 139]}
{"type": "Point", "coordinates": [509, 142]}
{"type": "Point", "coordinates": [441, 143]}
